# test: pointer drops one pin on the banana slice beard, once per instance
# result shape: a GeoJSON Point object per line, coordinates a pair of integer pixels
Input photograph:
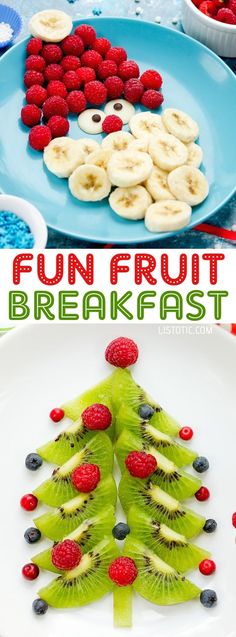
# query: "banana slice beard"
{"type": "Point", "coordinates": [62, 156]}
{"type": "Point", "coordinates": [90, 121]}
{"type": "Point", "coordinates": [130, 203]}
{"type": "Point", "coordinates": [195, 155]}
{"type": "Point", "coordinates": [50, 25]}
{"type": "Point", "coordinates": [89, 183]}
{"type": "Point", "coordinates": [87, 146]}
{"type": "Point", "coordinates": [157, 185]}
{"type": "Point", "coordinates": [180, 124]}
{"type": "Point", "coordinates": [146, 125]}
{"type": "Point", "coordinates": [99, 158]}
{"type": "Point", "coordinates": [117, 141]}
{"type": "Point", "coordinates": [126, 168]}
{"type": "Point", "coordinates": [168, 152]}
{"type": "Point", "coordinates": [140, 143]}
{"type": "Point", "coordinates": [167, 216]}
{"type": "Point", "coordinates": [188, 184]}
{"type": "Point", "coordinates": [125, 110]}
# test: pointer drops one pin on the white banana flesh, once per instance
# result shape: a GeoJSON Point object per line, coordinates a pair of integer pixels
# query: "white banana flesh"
{"type": "Point", "coordinates": [62, 156]}
{"type": "Point", "coordinates": [99, 158]}
{"type": "Point", "coordinates": [167, 216]}
{"type": "Point", "coordinates": [89, 183]}
{"type": "Point", "coordinates": [157, 185]}
{"type": "Point", "coordinates": [130, 203]}
{"type": "Point", "coordinates": [195, 155]}
{"type": "Point", "coordinates": [188, 184]}
{"type": "Point", "coordinates": [146, 125]}
{"type": "Point", "coordinates": [168, 152]}
{"type": "Point", "coordinates": [180, 124]}
{"type": "Point", "coordinates": [117, 141]}
{"type": "Point", "coordinates": [87, 146]}
{"type": "Point", "coordinates": [126, 168]}
{"type": "Point", "coordinates": [50, 25]}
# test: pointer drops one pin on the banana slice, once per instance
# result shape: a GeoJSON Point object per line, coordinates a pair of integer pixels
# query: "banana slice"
{"type": "Point", "coordinates": [130, 203]}
{"type": "Point", "coordinates": [195, 155]}
{"type": "Point", "coordinates": [141, 143]}
{"type": "Point", "coordinates": [50, 25]}
{"type": "Point", "coordinates": [122, 108]}
{"type": "Point", "coordinates": [87, 146]}
{"type": "Point", "coordinates": [180, 124]}
{"type": "Point", "coordinates": [146, 125]}
{"type": "Point", "coordinates": [188, 184]}
{"type": "Point", "coordinates": [168, 152]}
{"type": "Point", "coordinates": [90, 121]}
{"type": "Point", "coordinates": [166, 216]}
{"type": "Point", "coordinates": [126, 168]}
{"type": "Point", "coordinates": [157, 185]}
{"type": "Point", "coordinates": [117, 141]}
{"type": "Point", "coordinates": [99, 158]}
{"type": "Point", "coordinates": [89, 183]}
{"type": "Point", "coordinates": [62, 156]}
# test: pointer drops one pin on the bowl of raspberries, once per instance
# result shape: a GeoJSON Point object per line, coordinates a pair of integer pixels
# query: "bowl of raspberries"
{"type": "Point", "coordinates": [212, 22]}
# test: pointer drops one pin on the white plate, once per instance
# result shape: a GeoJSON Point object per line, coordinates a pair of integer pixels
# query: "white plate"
{"type": "Point", "coordinates": [194, 378]}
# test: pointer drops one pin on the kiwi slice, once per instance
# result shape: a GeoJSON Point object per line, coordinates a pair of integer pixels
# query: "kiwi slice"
{"type": "Point", "coordinates": [60, 522]}
{"type": "Point", "coordinates": [101, 393]}
{"type": "Point", "coordinates": [59, 488]}
{"type": "Point", "coordinates": [66, 444]}
{"type": "Point", "coordinates": [160, 506]}
{"type": "Point", "coordinates": [88, 534]}
{"type": "Point", "coordinates": [87, 582]}
{"type": "Point", "coordinates": [158, 582]}
{"type": "Point", "coordinates": [170, 546]}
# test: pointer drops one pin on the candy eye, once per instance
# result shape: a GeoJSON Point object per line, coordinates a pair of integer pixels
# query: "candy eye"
{"type": "Point", "coordinates": [90, 121]}
{"type": "Point", "coordinates": [122, 108]}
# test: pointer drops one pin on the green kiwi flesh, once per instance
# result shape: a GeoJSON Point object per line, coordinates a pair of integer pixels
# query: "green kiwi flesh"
{"type": "Point", "coordinates": [101, 393]}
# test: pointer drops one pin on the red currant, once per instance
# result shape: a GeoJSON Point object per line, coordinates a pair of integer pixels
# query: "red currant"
{"type": "Point", "coordinates": [57, 414]}
{"type": "Point", "coordinates": [234, 520]}
{"type": "Point", "coordinates": [202, 494]}
{"type": "Point", "coordinates": [30, 571]}
{"type": "Point", "coordinates": [186, 433]}
{"type": "Point", "coordinates": [207, 567]}
{"type": "Point", "coordinates": [29, 502]}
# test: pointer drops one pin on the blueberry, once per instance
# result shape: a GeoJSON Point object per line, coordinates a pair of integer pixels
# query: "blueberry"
{"type": "Point", "coordinates": [120, 531]}
{"type": "Point", "coordinates": [32, 535]}
{"type": "Point", "coordinates": [208, 598]}
{"type": "Point", "coordinates": [39, 606]}
{"type": "Point", "coordinates": [210, 526]}
{"type": "Point", "coordinates": [146, 412]}
{"type": "Point", "coordinates": [201, 464]}
{"type": "Point", "coordinates": [33, 461]}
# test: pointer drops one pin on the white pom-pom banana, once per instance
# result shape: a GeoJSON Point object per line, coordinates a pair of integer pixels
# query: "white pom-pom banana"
{"type": "Point", "coordinates": [126, 168]}
{"type": "Point", "coordinates": [180, 124]}
{"type": "Point", "coordinates": [99, 158]}
{"type": "Point", "coordinates": [50, 25]}
{"type": "Point", "coordinates": [195, 155]}
{"type": "Point", "coordinates": [62, 156]}
{"type": "Point", "coordinates": [146, 125]}
{"type": "Point", "coordinates": [122, 108]}
{"type": "Point", "coordinates": [130, 203]}
{"type": "Point", "coordinates": [167, 151]}
{"type": "Point", "coordinates": [188, 184]}
{"type": "Point", "coordinates": [157, 185]}
{"type": "Point", "coordinates": [117, 141]}
{"type": "Point", "coordinates": [167, 216]}
{"type": "Point", "coordinates": [89, 183]}
{"type": "Point", "coordinates": [87, 146]}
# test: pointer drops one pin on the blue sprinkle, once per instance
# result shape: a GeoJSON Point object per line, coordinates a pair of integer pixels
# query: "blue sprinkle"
{"type": "Point", "coordinates": [14, 232]}
{"type": "Point", "coordinates": [97, 11]}
{"type": "Point", "coordinates": [71, 1]}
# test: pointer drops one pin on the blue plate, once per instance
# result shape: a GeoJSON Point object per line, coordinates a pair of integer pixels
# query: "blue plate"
{"type": "Point", "coordinates": [195, 80]}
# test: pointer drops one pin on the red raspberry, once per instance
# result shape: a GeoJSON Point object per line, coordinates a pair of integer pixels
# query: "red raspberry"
{"type": "Point", "coordinates": [86, 33]}
{"type": "Point", "coordinates": [71, 80]}
{"type": "Point", "coordinates": [95, 92]}
{"type": "Point", "coordinates": [106, 69]}
{"type": "Point", "coordinates": [128, 69]}
{"type": "Point", "coordinates": [208, 8]}
{"type": "Point", "coordinates": [234, 520]}
{"type": "Point", "coordinates": [30, 115]}
{"type": "Point", "coordinates": [85, 74]}
{"type": "Point", "coordinates": [52, 53]}
{"type": "Point", "coordinates": [70, 63]}
{"type": "Point", "coordinates": [111, 124]}
{"type": "Point", "coordinates": [151, 79]}
{"type": "Point", "coordinates": [72, 45]}
{"type": "Point", "coordinates": [91, 59]}
{"type": "Point", "coordinates": [197, 3]}
{"type": "Point", "coordinates": [34, 46]}
{"type": "Point", "coordinates": [39, 137]}
{"type": "Point", "coordinates": [140, 464]}
{"type": "Point", "coordinates": [121, 352]}
{"type": "Point", "coordinates": [96, 416]}
{"type": "Point", "coordinates": [226, 15]}
{"type": "Point", "coordinates": [123, 571]}
{"type": "Point", "coordinates": [56, 87]}
{"type": "Point", "coordinates": [55, 105]}
{"type": "Point", "coordinates": [102, 46]}
{"type": "Point", "coordinates": [114, 86]}
{"type": "Point", "coordinates": [36, 95]}
{"type": "Point", "coordinates": [29, 501]}
{"type": "Point", "coordinates": [152, 99]}
{"type": "Point", "coordinates": [35, 63]}
{"type": "Point", "coordinates": [53, 72]}
{"type": "Point", "coordinates": [117, 54]}
{"type": "Point", "coordinates": [66, 555]}
{"type": "Point", "coordinates": [33, 77]}
{"type": "Point", "coordinates": [59, 126]}
{"type": "Point", "coordinates": [76, 102]}
{"type": "Point", "coordinates": [86, 477]}
{"type": "Point", "coordinates": [133, 90]}
{"type": "Point", "coordinates": [30, 571]}
{"type": "Point", "coordinates": [186, 433]}
{"type": "Point", "coordinates": [56, 414]}
{"type": "Point", "coordinates": [207, 567]}
{"type": "Point", "coordinates": [202, 494]}
{"type": "Point", "coordinates": [231, 4]}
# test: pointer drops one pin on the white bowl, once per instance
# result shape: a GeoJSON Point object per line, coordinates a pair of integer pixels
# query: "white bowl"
{"type": "Point", "coordinates": [218, 36]}
{"type": "Point", "coordinates": [30, 215]}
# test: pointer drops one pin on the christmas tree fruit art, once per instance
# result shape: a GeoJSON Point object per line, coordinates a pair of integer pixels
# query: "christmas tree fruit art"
{"type": "Point", "coordinates": [90, 553]}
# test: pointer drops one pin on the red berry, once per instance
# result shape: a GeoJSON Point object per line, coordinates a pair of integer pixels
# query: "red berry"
{"type": "Point", "coordinates": [35, 63]}
{"type": "Point", "coordinates": [207, 567]}
{"type": "Point", "coordinates": [186, 433]}
{"type": "Point", "coordinates": [234, 520]}
{"type": "Point", "coordinates": [111, 124]}
{"type": "Point", "coordinates": [36, 95]}
{"type": "Point", "coordinates": [56, 87]}
{"type": "Point", "coordinates": [106, 69]}
{"type": "Point", "coordinates": [151, 79]}
{"type": "Point", "coordinates": [53, 72]}
{"type": "Point", "coordinates": [56, 414]}
{"type": "Point", "coordinates": [128, 69]}
{"type": "Point", "coordinates": [197, 3]}
{"type": "Point", "coordinates": [226, 15]}
{"type": "Point", "coordinates": [95, 92]}
{"type": "Point", "coordinates": [86, 477]}
{"type": "Point", "coordinates": [202, 494]}
{"type": "Point", "coordinates": [30, 115]}
{"type": "Point", "coordinates": [29, 502]}
{"type": "Point", "coordinates": [33, 77]}
{"type": "Point", "coordinates": [52, 53]}
{"type": "Point", "coordinates": [70, 63]}
{"type": "Point", "coordinates": [55, 105]}
{"type": "Point", "coordinates": [96, 416]}
{"type": "Point", "coordinates": [133, 90]}
{"type": "Point", "coordinates": [30, 571]}
{"type": "Point", "coordinates": [66, 555]}
{"type": "Point", "coordinates": [121, 352]}
{"type": "Point", "coordinates": [34, 46]}
{"type": "Point", "coordinates": [114, 86]}
{"type": "Point", "coordinates": [76, 102]}
{"type": "Point", "coordinates": [86, 33]}
{"type": "Point", "coordinates": [152, 99]}
{"type": "Point", "coordinates": [85, 74]}
{"type": "Point", "coordinates": [140, 464]}
{"type": "Point", "coordinates": [72, 45]}
{"type": "Point", "coordinates": [117, 54]}
{"type": "Point", "coordinates": [102, 46]}
{"type": "Point", "coordinates": [39, 137]}
{"type": "Point", "coordinates": [123, 571]}
{"type": "Point", "coordinates": [208, 8]}
{"type": "Point", "coordinates": [71, 81]}
{"type": "Point", "coordinates": [91, 59]}
{"type": "Point", "coordinates": [59, 126]}
{"type": "Point", "coordinates": [231, 4]}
